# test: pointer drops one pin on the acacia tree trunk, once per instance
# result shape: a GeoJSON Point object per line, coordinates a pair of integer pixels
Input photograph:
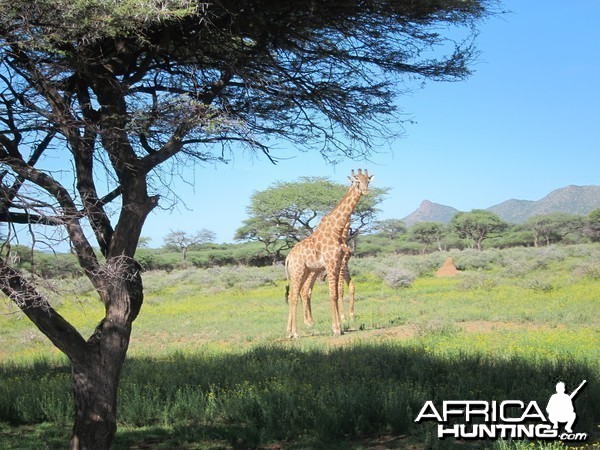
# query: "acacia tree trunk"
{"type": "Point", "coordinates": [95, 396]}
{"type": "Point", "coordinates": [478, 244]}
{"type": "Point", "coordinates": [95, 384]}
{"type": "Point", "coordinates": [97, 362]}
{"type": "Point", "coordinates": [96, 377]}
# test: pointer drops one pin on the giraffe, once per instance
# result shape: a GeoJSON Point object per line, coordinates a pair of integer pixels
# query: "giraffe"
{"type": "Point", "coordinates": [306, 292]}
{"type": "Point", "coordinates": [325, 249]}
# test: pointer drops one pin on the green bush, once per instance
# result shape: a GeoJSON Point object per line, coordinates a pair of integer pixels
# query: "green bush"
{"type": "Point", "coordinates": [398, 277]}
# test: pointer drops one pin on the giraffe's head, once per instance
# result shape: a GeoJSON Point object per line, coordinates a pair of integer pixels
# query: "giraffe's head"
{"type": "Point", "coordinates": [361, 180]}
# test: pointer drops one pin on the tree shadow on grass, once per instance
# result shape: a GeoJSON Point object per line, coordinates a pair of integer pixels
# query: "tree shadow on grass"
{"type": "Point", "coordinates": [280, 397]}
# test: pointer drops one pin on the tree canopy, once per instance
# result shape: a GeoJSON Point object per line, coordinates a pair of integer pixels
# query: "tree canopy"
{"type": "Point", "coordinates": [592, 225]}
{"type": "Point", "coordinates": [477, 225]}
{"type": "Point", "coordinates": [392, 228]}
{"type": "Point", "coordinates": [429, 232]}
{"type": "Point", "coordinates": [182, 241]}
{"type": "Point", "coordinates": [553, 227]}
{"type": "Point", "coordinates": [287, 212]}
{"type": "Point", "coordinates": [191, 73]}
{"type": "Point", "coordinates": [103, 103]}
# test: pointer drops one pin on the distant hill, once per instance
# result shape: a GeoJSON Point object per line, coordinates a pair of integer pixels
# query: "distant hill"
{"type": "Point", "coordinates": [513, 210]}
{"type": "Point", "coordinates": [570, 199]}
{"type": "Point", "coordinates": [430, 212]}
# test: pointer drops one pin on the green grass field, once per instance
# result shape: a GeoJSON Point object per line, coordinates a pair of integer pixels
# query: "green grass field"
{"type": "Point", "coordinates": [209, 365]}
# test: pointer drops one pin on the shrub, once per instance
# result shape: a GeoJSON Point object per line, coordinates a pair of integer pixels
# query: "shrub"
{"type": "Point", "coordinates": [437, 327]}
{"type": "Point", "coordinates": [425, 264]}
{"type": "Point", "coordinates": [213, 279]}
{"type": "Point", "coordinates": [477, 280]}
{"type": "Point", "coordinates": [399, 277]}
{"type": "Point", "coordinates": [588, 269]}
{"type": "Point", "coordinates": [475, 260]}
{"type": "Point", "coordinates": [537, 284]}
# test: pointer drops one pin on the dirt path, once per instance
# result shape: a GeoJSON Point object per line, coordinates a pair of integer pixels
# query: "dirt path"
{"type": "Point", "coordinates": [408, 331]}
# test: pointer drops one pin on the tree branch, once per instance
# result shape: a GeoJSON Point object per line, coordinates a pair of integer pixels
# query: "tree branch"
{"type": "Point", "coordinates": [62, 334]}
{"type": "Point", "coordinates": [84, 251]}
{"type": "Point", "coordinates": [174, 144]}
{"type": "Point", "coordinates": [26, 218]}
{"type": "Point", "coordinates": [83, 152]}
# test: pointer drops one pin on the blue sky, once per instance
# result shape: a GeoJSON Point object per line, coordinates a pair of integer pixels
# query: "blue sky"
{"type": "Point", "coordinates": [525, 123]}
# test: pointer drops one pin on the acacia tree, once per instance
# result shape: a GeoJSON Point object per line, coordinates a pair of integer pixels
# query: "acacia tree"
{"type": "Point", "coordinates": [100, 101]}
{"type": "Point", "coordinates": [182, 241]}
{"type": "Point", "coordinates": [554, 227]}
{"type": "Point", "coordinates": [287, 212]}
{"type": "Point", "coordinates": [592, 225]}
{"type": "Point", "coordinates": [391, 228]}
{"type": "Point", "coordinates": [427, 233]}
{"type": "Point", "coordinates": [477, 225]}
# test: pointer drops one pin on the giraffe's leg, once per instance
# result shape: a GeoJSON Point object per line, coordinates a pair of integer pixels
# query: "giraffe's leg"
{"type": "Point", "coordinates": [306, 295]}
{"type": "Point", "coordinates": [344, 276]}
{"type": "Point", "coordinates": [296, 281]}
{"type": "Point", "coordinates": [292, 302]}
{"type": "Point", "coordinates": [352, 290]}
{"type": "Point", "coordinates": [333, 272]}
{"type": "Point", "coordinates": [341, 295]}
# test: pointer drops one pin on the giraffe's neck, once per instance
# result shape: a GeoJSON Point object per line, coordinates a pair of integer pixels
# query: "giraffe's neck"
{"type": "Point", "coordinates": [337, 221]}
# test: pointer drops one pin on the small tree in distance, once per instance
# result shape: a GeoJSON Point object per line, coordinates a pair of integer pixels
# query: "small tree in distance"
{"type": "Point", "coordinates": [182, 241]}
{"type": "Point", "coordinates": [553, 227]}
{"type": "Point", "coordinates": [477, 225]}
{"type": "Point", "coordinates": [592, 225]}
{"type": "Point", "coordinates": [427, 233]}
{"type": "Point", "coordinates": [391, 228]}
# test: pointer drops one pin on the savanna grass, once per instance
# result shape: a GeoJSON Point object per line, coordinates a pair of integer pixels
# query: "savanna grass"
{"type": "Point", "coordinates": [281, 393]}
{"type": "Point", "coordinates": [209, 367]}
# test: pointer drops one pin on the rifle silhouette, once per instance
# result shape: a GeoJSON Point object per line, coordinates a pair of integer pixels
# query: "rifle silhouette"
{"type": "Point", "coordinates": [574, 393]}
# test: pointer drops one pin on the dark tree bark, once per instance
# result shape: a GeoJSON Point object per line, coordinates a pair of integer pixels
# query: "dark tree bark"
{"type": "Point", "coordinates": [96, 377]}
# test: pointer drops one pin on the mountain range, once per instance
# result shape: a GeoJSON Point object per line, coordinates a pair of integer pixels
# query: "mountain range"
{"type": "Point", "coordinates": [570, 199]}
